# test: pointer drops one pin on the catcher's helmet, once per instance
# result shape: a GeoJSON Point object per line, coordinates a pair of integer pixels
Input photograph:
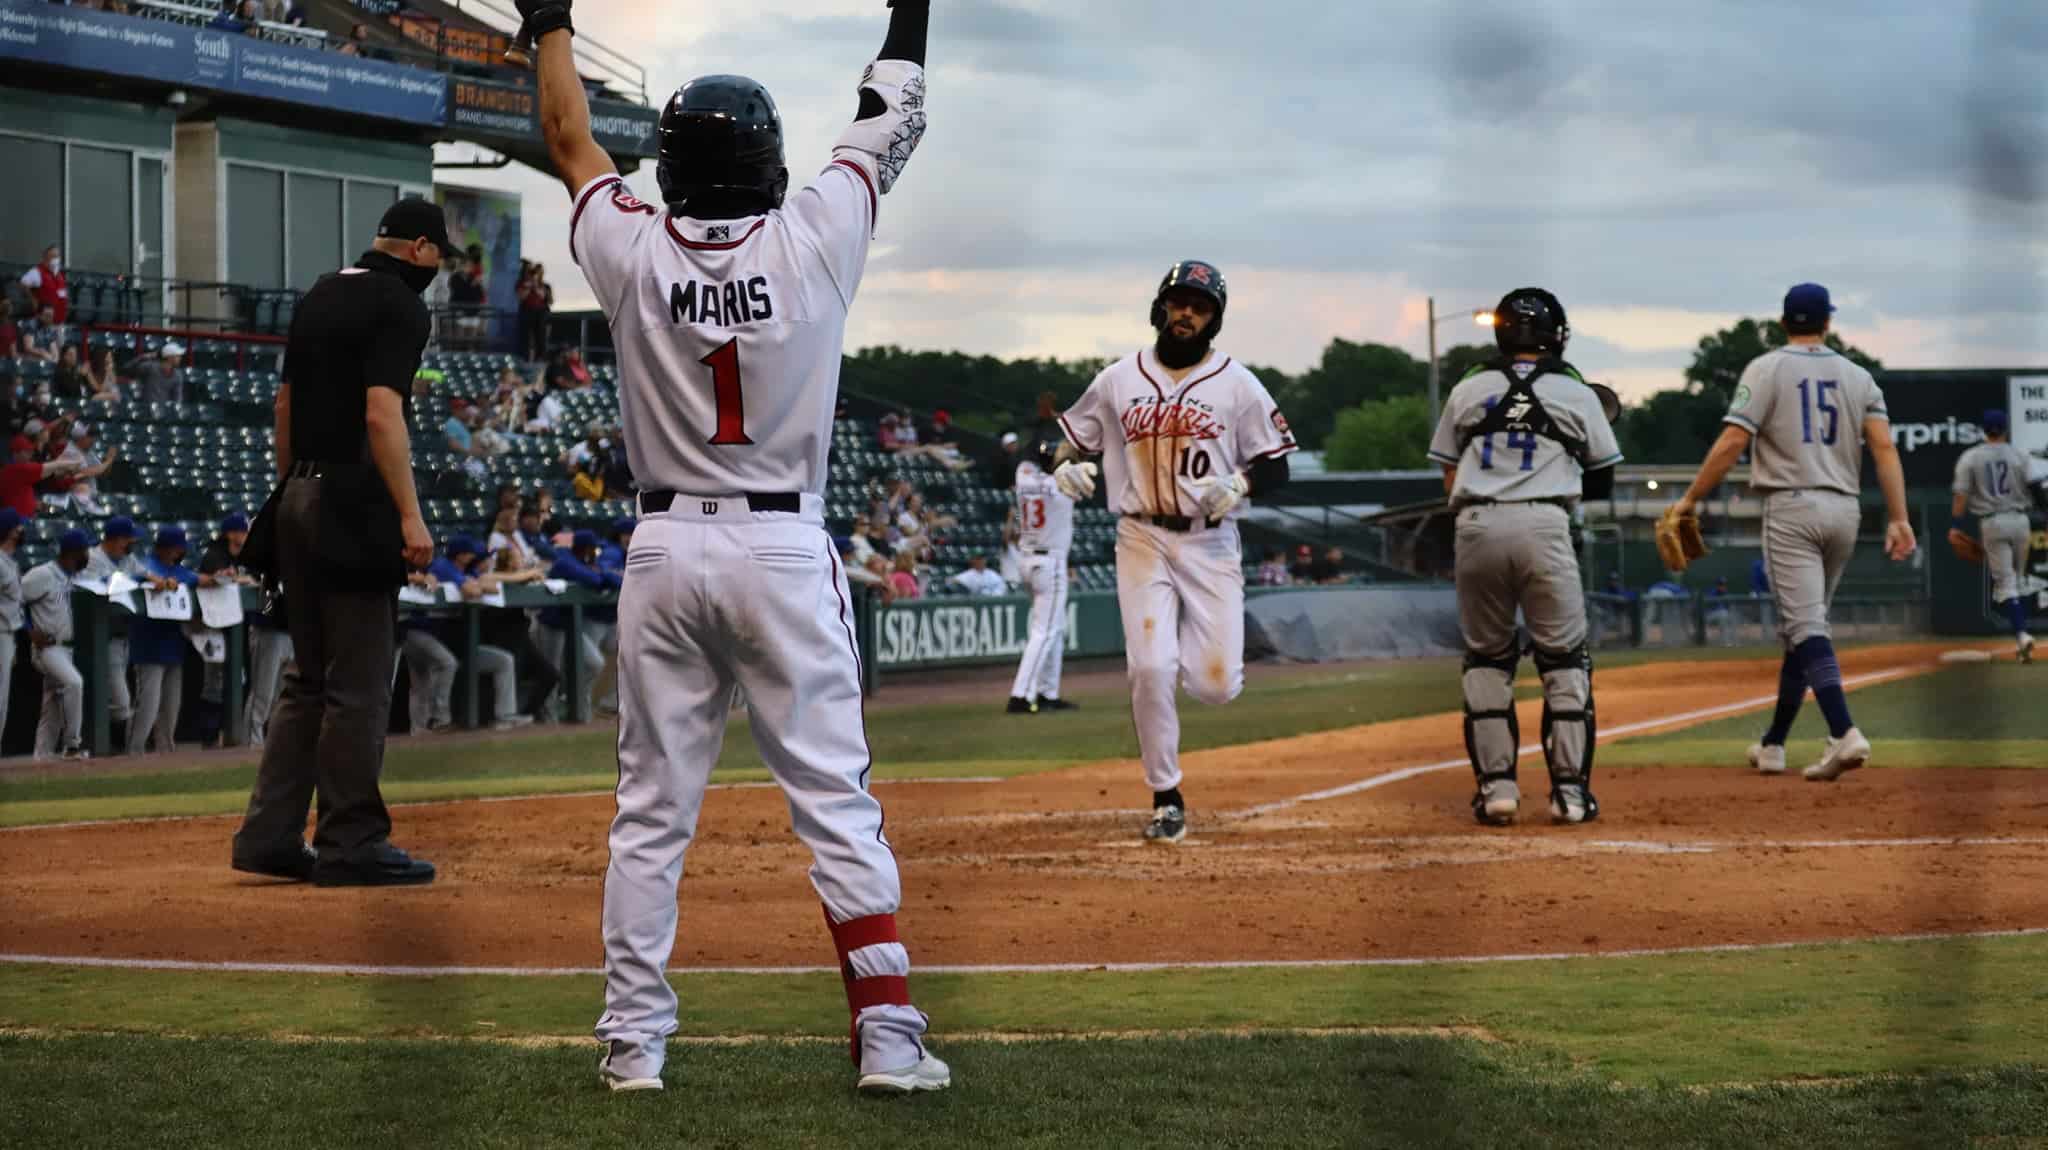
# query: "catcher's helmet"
{"type": "Point", "coordinates": [1193, 275]}
{"type": "Point", "coordinates": [1530, 320]}
{"type": "Point", "coordinates": [721, 134]}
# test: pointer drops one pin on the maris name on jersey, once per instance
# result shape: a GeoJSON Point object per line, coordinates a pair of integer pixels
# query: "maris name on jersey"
{"type": "Point", "coordinates": [1155, 417]}
{"type": "Point", "coordinates": [720, 305]}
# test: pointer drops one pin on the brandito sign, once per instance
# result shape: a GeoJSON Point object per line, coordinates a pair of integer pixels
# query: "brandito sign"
{"type": "Point", "coordinates": [949, 631]}
{"type": "Point", "coordinates": [512, 111]}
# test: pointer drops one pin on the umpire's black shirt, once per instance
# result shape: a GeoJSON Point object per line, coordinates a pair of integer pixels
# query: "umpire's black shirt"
{"type": "Point", "coordinates": [358, 328]}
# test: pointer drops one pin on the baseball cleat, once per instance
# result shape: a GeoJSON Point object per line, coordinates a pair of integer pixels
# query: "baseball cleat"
{"type": "Point", "coordinates": [1843, 755]}
{"type": "Point", "coordinates": [1496, 802]}
{"type": "Point", "coordinates": [1049, 704]}
{"type": "Point", "coordinates": [1169, 825]}
{"type": "Point", "coordinates": [928, 1074]}
{"type": "Point", "coordinates": [1571, 804]}
{"type": "Point", "coordinates": [1020, 706]}
{"type": "Point", "coordinates": [619, 1085]}
{"type": "Point", "coordinates": [1767, 759]}
{"type": "Point", "coordinates": [2026, 647]}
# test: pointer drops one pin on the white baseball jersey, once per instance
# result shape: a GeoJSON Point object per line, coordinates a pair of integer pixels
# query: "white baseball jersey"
{"type": "Point", "coordinates": [1805, 406]}
{"type": "Point", "coordinates": [1512, 467]}
{"type": "Point", "coordinates": [1045, 514]}
{"type": "Point", "coordinates": [1158, 439]}
{"type": "Point", "coordinates": [1994, 477]}
{"type": "Point", "coordinates": [729, 332]}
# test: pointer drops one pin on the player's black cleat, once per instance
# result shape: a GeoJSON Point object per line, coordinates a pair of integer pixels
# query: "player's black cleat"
{"type": "Point", "coordinates": [1169, 825]}
{"type": "Point", "coordinates": [1021, 707]}
{"type": "Point", "coordinates": [1044, 704]}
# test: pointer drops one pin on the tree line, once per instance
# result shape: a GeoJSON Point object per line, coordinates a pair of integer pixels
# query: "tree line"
{"type": "Point", "coordinates": [1364, 405]}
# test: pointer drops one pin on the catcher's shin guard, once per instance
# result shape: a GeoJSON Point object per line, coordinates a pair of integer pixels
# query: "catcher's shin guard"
{"type": "Point", "coordinates": [1493, 736]}
{"type": "Point", "coordinates": [1569, 730]}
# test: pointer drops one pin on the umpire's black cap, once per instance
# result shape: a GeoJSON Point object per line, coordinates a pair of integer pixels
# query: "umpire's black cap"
{"type": "Point", "coordinates": [413, 218]}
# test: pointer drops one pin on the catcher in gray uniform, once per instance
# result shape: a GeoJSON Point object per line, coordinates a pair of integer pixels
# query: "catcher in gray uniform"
{"type": "Point", "coordinates": [1806, 414]}
{"type": "Point", "coordinates": [1991, 488]}
{"type": "Point", "coordinates": [1521, 441]}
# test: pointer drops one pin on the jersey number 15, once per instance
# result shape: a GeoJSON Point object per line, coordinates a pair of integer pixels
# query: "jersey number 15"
{"type": "Point", "coordinates": [1813, 396]}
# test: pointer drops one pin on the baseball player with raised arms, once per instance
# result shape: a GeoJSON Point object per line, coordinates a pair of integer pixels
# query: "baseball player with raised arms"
{"type": "Point", "coordinates": [1805, 414]}
{"type": "Point", "coordinates": [1521, 441]}
{"type": "Point", "coordinates": [1186, 434]}
{"type": "Point", "coordinates": [1991, 488]}
{"type": "Point", "coordinates": [728, 309]}
{"type": "Point", "coordinates": [1045, 532]}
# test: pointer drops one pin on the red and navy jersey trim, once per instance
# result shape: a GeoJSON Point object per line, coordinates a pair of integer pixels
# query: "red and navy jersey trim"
{"type": "Point", "coordinates": [874, 202]}
{"type": "Point", "coordinates": [583, 201]}
{"type": "Point", "coordinates": [701, 246]}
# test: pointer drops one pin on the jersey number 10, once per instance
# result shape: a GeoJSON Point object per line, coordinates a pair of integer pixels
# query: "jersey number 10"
{"type": "Point", "coordinates": [726, 394]}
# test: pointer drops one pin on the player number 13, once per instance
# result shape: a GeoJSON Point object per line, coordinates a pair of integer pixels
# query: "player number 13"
{"type": "Point", "coordinates": [726, 393]}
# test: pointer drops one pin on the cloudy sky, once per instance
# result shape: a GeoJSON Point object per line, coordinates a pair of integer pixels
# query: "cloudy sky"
{"type": "Point", "coordinates": [1663, 168]}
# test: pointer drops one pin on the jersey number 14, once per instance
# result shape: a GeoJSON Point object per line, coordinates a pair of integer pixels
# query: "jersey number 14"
{"type": "Point", "coordinates": [726, 393]}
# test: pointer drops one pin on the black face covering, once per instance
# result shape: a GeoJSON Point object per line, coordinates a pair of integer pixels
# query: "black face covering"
{"type": "Point", "coordinates": [1178, 353]}
{"type": "Point", "coordinates": [416, 277]}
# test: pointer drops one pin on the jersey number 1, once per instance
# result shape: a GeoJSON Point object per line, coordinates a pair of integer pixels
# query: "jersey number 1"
{"type": "Point", "coordinates": [726, 393]}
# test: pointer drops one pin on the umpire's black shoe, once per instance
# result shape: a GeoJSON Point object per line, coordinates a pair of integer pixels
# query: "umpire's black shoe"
{"type": "Point", "coordinates": [294, 862]}
{"type": "Point", "coordinates": [380, 865]}
{"type": "Point", "coordinates": [1045, 704]}
{"type": "Point", "coordinates": [1021, 707]}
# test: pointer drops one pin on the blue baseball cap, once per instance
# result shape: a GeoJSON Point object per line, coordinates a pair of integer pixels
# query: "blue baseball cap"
{"type": "Point", "coordinates": [120, 527]}
{"type": "Point", "coordinates": [584, 538]}
{"type": "Point", "coordinates": [462, 545]}
{"type": "Point", "coordinates": [1807, 304]}
{"type": "Point", "coordinates": [235, 522]}
{"type": "Point", "coordinates": [10, 521]}
{"type": "Point", "coordinates": [624, 525]}
{"type": "Point", "coordinates": [1994, 423]}
{"type": "Point", "coordinates": [171, 537]}
{"type": "Point", "coordinates": [73, 540]}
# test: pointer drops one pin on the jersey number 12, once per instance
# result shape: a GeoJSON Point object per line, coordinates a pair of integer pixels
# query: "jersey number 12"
{"type": "Point", "coordinates": [726, 394]}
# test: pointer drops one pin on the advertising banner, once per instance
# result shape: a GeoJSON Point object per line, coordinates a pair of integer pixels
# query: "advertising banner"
{"type": "Point", "coordinates": [88, 40]}
{"type": "Point", "coordinates": [512, 112]}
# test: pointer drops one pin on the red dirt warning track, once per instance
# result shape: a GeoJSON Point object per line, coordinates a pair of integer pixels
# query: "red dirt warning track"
{"type": "Point", "coordinates": [1049, 868]}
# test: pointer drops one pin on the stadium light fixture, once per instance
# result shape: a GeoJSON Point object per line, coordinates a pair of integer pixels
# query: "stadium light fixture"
{"type": "Point", "coordinates": [1480, 316]}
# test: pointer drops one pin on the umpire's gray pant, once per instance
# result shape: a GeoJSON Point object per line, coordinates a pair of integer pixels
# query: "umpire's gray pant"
{"type": "Point", "coordinates": [270, 648]}
{"type": "Point", "coordinates": [159, 696]}
{"type": "Point", "coordinates": [63, 701]}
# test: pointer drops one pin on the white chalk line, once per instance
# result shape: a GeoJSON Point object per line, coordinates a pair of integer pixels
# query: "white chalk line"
{"type": "Point", "coordinates": [353, 969]}
{"type": "Point", "coordinates": [1406, 773]}
{"type": "Point", "coordinates": [144, 820]}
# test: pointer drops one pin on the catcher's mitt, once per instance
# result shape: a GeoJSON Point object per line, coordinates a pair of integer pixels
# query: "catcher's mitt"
{"type": "Point", "coordinates": [1966, 547]}
{"type": "Point", "coordinates": [1678, 539]}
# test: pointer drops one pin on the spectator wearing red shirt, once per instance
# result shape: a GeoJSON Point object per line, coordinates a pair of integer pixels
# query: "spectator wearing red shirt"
{"type": "Point", "coordinates": [45, 282]}
{"type": "Point", "coordinates": [10, 332]}
{"type": "Point", "coordinates": [18, 479]}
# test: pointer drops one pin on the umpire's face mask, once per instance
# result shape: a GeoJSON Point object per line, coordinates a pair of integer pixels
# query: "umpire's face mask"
{"type": "Point", "coordinates": [418, 278]}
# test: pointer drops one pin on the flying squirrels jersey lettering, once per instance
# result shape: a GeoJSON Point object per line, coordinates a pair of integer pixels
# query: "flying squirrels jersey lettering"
{"type": "Point", "coordinates": [1151, 417]}
{"type": "Point", "coordinates": [720, 304]}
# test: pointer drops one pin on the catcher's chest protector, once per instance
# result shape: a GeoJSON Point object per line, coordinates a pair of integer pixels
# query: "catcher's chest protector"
{"type": "Point", "coordinates": [1519, 411]}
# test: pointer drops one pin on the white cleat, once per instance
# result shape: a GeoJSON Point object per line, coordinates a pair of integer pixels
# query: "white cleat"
{"type": "Point", "coordinates": [619, 1085]}
{"type": "Point", "coordinates": [2025, 647]}
{"type": "Point", "coordinates": [1497, 802]}
{"type": "Point", "coordinates": [1843, 755]}
{"type": "Point", "coordinates": [927, 1074]}
{"type": "Point", "coordinates": [1767, 760]}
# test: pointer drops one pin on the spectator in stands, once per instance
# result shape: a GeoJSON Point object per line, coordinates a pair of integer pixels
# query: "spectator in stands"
{"type": "Point", "coordinates": [879, 575]}
{"type": "Point", "coordinates": [46, 593]}
{"type": "Point", "coordinates": [1303, 569]}
{"type": "Point", "coordinates": [505, 530]}
{"type": "Point", "coordinates": [42, 336]}
{"type": "Point", "coordinates": [508, 628]}
{"type": "Point", "coordinates": [979, 580]}
{"type": "Point", "coordinates": [45, 284]}
{"type": "Point", "coordinates": [159, 380]}
{"type": "Point", "coordinates": [536, 303]}
{"type": "Point", "coordinates": [861, 542]}
{"type": "Point", "coordinates": [1329, 568]}
{"type": "Point", "coordinates": [858, 575]}
{"type": "Point", "coordinates": [586, 481]}
{"type": "Point", "coordinates": [568, 372]}
{"type": "Point", "coordinates": [1273, 569]}
{"type": "Point", "coordinates": [463, 438]}
{"type": "Point", "coordinates": [68, 384]}
{"type": "Point", "coordinates": [578, 564]}
{"type": "Point", "coordinates": [156, 649]}
{"type": "Point", "coordinates": [112, 556]}
{"type": "Point", "coordinates": [542, 408]}
{"type": "Point", "coordinates": [82, 485]}
{"type": "Point", "coordinates": [926, 522]}
{"type": "Point", "coordinates": [231, 18]}
{"type": "Point", "coordinates": [903, 580]}
{"type": "Point", "coordinates": [508, 499]}
{"type": "Point", "coordinates": [466, 299]}
{"type": "Point", "coordinates": [1002, 466]}
{"type": "Point", "coordinates": [10, 602]}
{"type": "Point", "coordinates": [10, 332]}
{"type": "Point", "coordinates": [433, 685]}
{"type": "Point", "coordinates": [102, 379]}
{"type": "Point", "coordinates": [250, 13]}
{"type": "Point", "coordinates": [18, 480]}
{"type": "Point", "coordinates": [358, 39]}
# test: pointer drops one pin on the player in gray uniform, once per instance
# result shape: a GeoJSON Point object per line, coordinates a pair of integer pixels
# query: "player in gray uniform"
{"type": "Point", "coordinates": [1810, 413]}
{"type": "Point", "coordinates": [1991, 487]}
{"type": "Point", "coordinates": [1521, 441]}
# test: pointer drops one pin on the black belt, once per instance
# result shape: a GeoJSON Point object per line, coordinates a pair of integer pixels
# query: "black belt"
{"type": "Point", "coordinates": [656, 502]}
{"type": "Point", "coordinates": [1182, 523]}
{"type": "Point", "coordinates": [1037, 551]}
{"type": "Point", "coordinates": [1554, 501]}
{"type": "Point", "coordinates": [307, 469]}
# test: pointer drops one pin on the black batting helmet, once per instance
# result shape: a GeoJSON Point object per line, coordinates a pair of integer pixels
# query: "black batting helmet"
{"type": "Point", "coordinates": [721, 135]}
{"type": "Point", "coordinates": [1196, 276]}
{"type": "Point", "coordinates": [1530, 320]}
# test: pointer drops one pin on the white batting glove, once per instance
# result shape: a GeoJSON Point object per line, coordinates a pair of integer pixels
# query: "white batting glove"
{"type": "Point", "coordinates": [1076, 480]}
{"type": "Point", "coordinates": [1219, 496]}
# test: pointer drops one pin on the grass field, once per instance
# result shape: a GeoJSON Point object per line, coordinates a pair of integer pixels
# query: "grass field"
{"type": "Point", "coordinates": [1865, 1044]}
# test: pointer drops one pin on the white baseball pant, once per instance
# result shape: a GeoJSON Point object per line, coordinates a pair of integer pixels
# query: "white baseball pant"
{"type": "Point", "coordinates": [1038, 672]}
{"type": "Point", "coordinates": [1182, 599]}
{"type": "Point", "coordinates": [717, 595]}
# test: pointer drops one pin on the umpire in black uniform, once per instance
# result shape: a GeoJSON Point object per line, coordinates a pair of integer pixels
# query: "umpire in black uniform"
{"type": "Point", "coordinates": [339, 535]}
